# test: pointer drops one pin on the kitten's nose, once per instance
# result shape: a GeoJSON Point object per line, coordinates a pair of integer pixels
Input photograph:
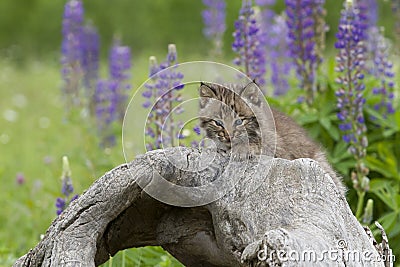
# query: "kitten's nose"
{"type": "Point", "coordinates": [227, 137]}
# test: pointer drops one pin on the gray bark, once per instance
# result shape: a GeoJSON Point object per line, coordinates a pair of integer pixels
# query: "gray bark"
{"type": "Point", "coordinates": [275, 212]}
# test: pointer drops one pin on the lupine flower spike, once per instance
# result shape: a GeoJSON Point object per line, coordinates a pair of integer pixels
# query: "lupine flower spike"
{"type": "Point", "coordinates": [120, 73]}
{"type": "Point", "coordinates": [275, 38]}
{"type": "Point", "coordinates": [71, 50]}
{"type": "Point", "coordinates": [90, 63]}
{"type": "Point", "coordinates": [214, 22]}
{"type": "Point", "coordinates": [67, 189]}
{"type": "Point", "coordinates": [384, 72]}
{"type": "Point", "coordinates": [248, 44]}
{"type": "Point", "coordinates": [320, 28]}
{"type": "Point", "coordinates": [350, 101]}
{"type": "Point", "coordinates": [368, 12]}
{"type": "Point", "coordinates": [111, 95]}
{"type": "Point", "coordinates": [106, 98]}
{"type": "Point", "coordinates": [163, 93]}
{"type": "Point", "coordinates": [266, 18]}
{"type": "Point", "coordinates": [267, 15]}
{"type": "Point", "coordinates": [151, 95]}
{"type": "Point", "coordinates": [305, 20]}
{"type": "Point", "coordinates": [281, 65]}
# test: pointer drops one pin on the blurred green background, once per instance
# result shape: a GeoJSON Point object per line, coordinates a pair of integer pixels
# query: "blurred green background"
{"type": "Point", "coordinates": [34, 134]}
{"type": "Point", "coordinates": [32, 28]}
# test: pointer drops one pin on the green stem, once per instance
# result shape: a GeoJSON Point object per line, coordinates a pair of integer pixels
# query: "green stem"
{"type": "Point", "coordinates": [360, 204]}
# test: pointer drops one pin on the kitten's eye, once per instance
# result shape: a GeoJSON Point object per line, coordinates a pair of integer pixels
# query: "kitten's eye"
{"type": "Point", "coordinates": [219, 123]}
{"type": "Point", "coordinates": [238, 122]}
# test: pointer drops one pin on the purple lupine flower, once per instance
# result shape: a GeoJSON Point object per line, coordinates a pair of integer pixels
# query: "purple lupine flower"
{"type": "Point", "coordinates": [151, 93]}
{"type": "Point", "coordinates": [111, 95]}
{"type": "Point", "coordinates": [368, 12]}
{"type": "Point", "coordinates": [383, 70]}
{"type": "Point", "coordinates": [214, 22]}
{"type": "Point", "coordinates": [350, 65]}
{"type": "Point", "coordinates": [278, 54]}
{"type": "Point", "coordinates": [265, 2]}
{"type": "Point", "coordinates": [304, 19]}
{"type": "Point", "coordinates": [372, 48]}
{"type": "Point", "coordinates": [67, 188]}
{"type": "Point", "coordinates": [248, 44]}
{"type": "Point", "coordinates": [162, 95]}
{"type": "Point", "coordinates": [106, 99]}
{"type": "Point", "coordinates": [275, 37]}
{"type": "Point", "coordinates": [60, 205]}
{"type": "Point", "coordinates": [267, 15]}
{"type": "Point", "coordinates": [72, 31]}
{"type": "Point", "coordinates": [90, 61]}
{"type": "Point", "coordinates": [120, 62]}
{"type": "Point", "coordinates": [196, 129]}
{"type": "Point", "coordinates": [350, 60]}
{"type": "Point", "coordinates": [120, 68]}
{"type": "Point", "coordinates": [320, 28]}
{"type": "Point", "coordinates": [266, 19]}
{"type": "Point", "coordinates": [380, 65]}
{"type": "Point", "coordinates": [71, 49]}
{"type": "Point", "coordinates": [101, 97]}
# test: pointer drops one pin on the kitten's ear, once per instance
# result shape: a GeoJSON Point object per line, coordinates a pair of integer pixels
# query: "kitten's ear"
{"type": "Point", "coordinates": [206, 90]}
{"type": "Point", "coordinates": [252, 94]}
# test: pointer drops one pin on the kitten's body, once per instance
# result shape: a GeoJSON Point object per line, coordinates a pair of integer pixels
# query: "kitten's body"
{"type": "Point", "coordinates": [238, 120]}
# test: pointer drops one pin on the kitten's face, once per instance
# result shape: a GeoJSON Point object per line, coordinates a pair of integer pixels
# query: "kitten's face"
{"type": "Point", "coordinates": [226, 118]}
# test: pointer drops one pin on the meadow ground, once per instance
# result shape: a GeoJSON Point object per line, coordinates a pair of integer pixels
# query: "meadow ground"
{"type": "Point", "coordinates": [34, 136]}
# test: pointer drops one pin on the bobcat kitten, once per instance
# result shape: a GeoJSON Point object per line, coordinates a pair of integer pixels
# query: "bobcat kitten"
{"type": "Point", "coordinates": [237, 119]}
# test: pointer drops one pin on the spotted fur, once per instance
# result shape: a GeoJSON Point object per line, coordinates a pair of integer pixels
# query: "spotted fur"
{"type": "Point", "coordinates": [220, 108]}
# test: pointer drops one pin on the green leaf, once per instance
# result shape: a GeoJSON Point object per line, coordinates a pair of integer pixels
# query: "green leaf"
{"type": "Point", "coordinates": [273, 101]}
{"type": "Point", "coordinates": [307, 119]}
{"type": "Point", "coordinates": [340, 152]}
{"type": "Point", "coordinates": [332, 130]}
{"type": "Point", "coordinates": [388, 221]}
{"type": "Point", "coordinates": [380, 120]}
{"type": "Point", "coordinates": [389, 132]}
{"type": "Point", "coordinates": [386, 191]}
{"type": "Point", "coordinates": [314, 131]}
{"type": "Point", "coordinates": [146, 257]}
{"type": "Point", "coordinates": [344, 167]}
{"type": "Point", "coordinates": [335, 134]}
{"type": "Point", "coordinates": [326, 123]}
{"type": "Point", "coordinates": [397, 118]}
{"type": "Point", "coordinates": [386, 153]}
{"type": "Point", "coordinates": [386, 164]}
{"type": "Point", "coordinates": [325, 107]}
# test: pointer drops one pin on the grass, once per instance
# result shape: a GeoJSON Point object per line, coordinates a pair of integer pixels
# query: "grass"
{"type": "Point", "coordinates": [34, 135]}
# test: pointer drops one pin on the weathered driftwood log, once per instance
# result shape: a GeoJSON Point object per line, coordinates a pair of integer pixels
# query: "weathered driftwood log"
{"type": "Point", "coordinates": [267, 213]}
